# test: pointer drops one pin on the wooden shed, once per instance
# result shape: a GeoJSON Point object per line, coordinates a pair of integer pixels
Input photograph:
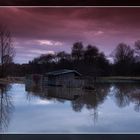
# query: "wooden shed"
{"type": "Point", "coordinates": [65, 78]}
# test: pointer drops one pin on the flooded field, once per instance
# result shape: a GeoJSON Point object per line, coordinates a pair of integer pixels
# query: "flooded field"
{"type": "Point", "coordinates": [110, 108]}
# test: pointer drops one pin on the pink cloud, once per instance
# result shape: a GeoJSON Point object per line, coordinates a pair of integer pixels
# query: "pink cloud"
{"type": "Point", "coordinates": [54, 29]}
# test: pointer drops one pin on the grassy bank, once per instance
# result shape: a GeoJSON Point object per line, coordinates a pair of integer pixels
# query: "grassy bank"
{"type": "Point", "coordinates": [118, 79]}
{"type": "Point", "coordinates": [12, 80]}
{"type": "Point", "coordinates": [111, 79]}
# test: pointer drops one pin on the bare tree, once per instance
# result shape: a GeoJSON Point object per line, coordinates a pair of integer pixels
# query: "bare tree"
{"type": "Point", "coordinates": [137, 50]}
{"type": "Point", "coordinates": [123, 54]}
{"type": "Point", "coordinates": [124, 59]}
{"type": "Point", "coordinates": [6, 49]}
{"type": "Point", "coordinates": [77, 51]}
{"type": "Point", "coordinates": [91, 54]}
{"type": "Point", "coordinates": [137, 46]}
{"type": "Point", "coordinates": [61, 56]}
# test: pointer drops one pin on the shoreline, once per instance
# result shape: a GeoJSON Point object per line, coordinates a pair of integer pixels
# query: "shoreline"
{"type": "Point", "coordinates": [108, 79]}
{"type": "Point", "coordinates": [118, 79]}
{"type": "Point", "coordinates": [9, 80]}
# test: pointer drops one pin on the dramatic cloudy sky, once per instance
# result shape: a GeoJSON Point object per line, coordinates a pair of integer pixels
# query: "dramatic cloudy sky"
{"type": "Point", "coordinates": [46, 30]}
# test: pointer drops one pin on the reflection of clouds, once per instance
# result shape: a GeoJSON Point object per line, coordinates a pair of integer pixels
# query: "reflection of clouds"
{"type": "Point", "coordinates": [51, 116]}
{"type": "Point", "coordinates": [112, 88]}
{"type": "Point", "coordinates": [22, 98]}
{"type": "Point", "coordinates": [87, 99]}
{"type": "Point", "coordinates": [54, 119]}
{"type": "Point", "coordinates": [42, 102]}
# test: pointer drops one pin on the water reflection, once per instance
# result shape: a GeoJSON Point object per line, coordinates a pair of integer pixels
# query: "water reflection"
{"type": "Point", "coordinates": [126, 94]}
{"type": "Point", "coordinates": [123, 94]}
{"type": "Point", "coordinates": [6, 106]}
{"type": "Point", "coordinates": [107, 102]}
{"type": "Point", "coordinates": [89, 99]}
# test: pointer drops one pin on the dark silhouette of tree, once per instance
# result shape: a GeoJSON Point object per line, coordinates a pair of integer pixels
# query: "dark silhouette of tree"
{"type": "Point", "coordinates": [64, 60]}
{"type": "Point", "coordinates": [137, 50]}
{"type": "Point", "coordinates": [95, 61]}
{"type": "Point", "coordinates": [103, 64]}
{"type": "Point", "coordinates": [89, 61]}
{"type": "Point", "coordinates": [137, 46]}
{"type": "Point", "coordinates": [91, 54]}
{"type": "Point", "coordinates": [123, 54]}
{"type": "Point", "coordinates": [123, 58]}
{"type": "Point", "coordinates": [6, 49]}
{"type": "Point", "coordinates": [63, 56]}
{"type": "Point", "coordinates": [136, 67]}
{"type": "Point", "coordinates": [77, 51]}
{"type": "Point", "coordinates": [44, 58]}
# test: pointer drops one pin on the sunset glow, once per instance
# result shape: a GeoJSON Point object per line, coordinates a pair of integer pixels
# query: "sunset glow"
{"type": "Point", "coordinates": [40, 30]}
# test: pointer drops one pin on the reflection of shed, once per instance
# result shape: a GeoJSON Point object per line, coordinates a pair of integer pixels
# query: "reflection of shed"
{"type": "Point", "coordinates": [34, 79]}
{"type": "Point", "coordinates": [64, 93]}
{"type": "Point", "coordinates": [65, 78]}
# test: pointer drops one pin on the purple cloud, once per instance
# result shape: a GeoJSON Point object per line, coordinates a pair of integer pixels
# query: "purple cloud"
{"type": "Point", "coordinates": [37, 30]}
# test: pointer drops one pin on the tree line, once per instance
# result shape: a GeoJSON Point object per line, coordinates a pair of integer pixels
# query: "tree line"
{"type": "Point", "coordinates": [88, 60]}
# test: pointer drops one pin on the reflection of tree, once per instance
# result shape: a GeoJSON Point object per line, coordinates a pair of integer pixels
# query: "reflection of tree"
{"type": "Point", "coordinates": [34, 90]}
{"type": "Point", "coordinates": [91, 100]}
{"type": "Point", "coordinates": [6, 106]}
{"type": "Point", "coordinates": [43, 92]}
{"type": "Point", "coordinates": [86, 98]}
{"type": "Point", "coordinates": [135, 97]}
{"type": "Point", "coordinates": [94, 115]}
{"type": "Point", "coordinates": [77, 105]}
{"type": "Point", "coordinates": [59, 94]}
{"type": "Point", "coordinates": [126, 93]}
{"type": "Point", "coordinates": [121, 91]}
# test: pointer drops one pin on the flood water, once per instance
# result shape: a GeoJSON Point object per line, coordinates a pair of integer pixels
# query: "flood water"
{"type": "Point", "coordinates": [111, 108]}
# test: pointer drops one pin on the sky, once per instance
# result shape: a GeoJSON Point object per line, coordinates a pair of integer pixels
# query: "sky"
{"type": "Point", "coordinates": [44, 30]}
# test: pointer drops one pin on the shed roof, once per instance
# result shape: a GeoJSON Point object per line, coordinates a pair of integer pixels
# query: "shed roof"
{"type": "Point", "coordinates": [62, 71]}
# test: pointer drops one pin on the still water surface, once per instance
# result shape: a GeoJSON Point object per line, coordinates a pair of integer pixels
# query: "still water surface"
{"type": "Point", "coordinates": [112, 108]}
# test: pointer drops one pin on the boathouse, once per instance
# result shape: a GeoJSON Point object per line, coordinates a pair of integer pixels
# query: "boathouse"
{"type": "Point", "coordinates": [65, 78]}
